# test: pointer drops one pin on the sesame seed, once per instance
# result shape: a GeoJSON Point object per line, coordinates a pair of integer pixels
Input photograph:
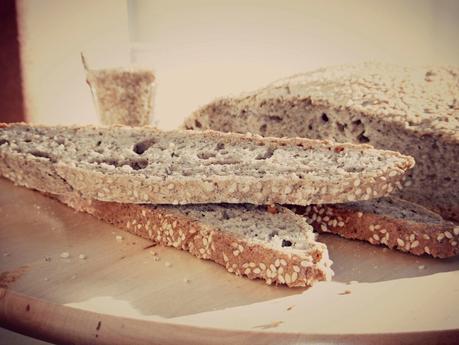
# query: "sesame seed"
{"type": "Point", "coordinates": [340, 224]}
{"type": "Point", "coordinates": [281, 279]}
{"type": "Point", "coordinates": [277, 263]}
{"type": "Point", "coordinates": [400, 242]}
{"type": "Point", "coordinates": [426, 237]}
{"type": "Point", "coordinates": [167, 264]}
{"type": "Point", "coordinates": [283, 262]}
{"type": "Point", "coordinates": [372, 227]}
{"type": "Point", "coordinates": [82, 257]}
{"type": "Point", "coordinates": [392, 173]}
{"type": "Point", "coordinates": [412, 237]}
{"type": "Point", "coordinates": [256, 270]}
{"type": "Point", "coordinates": [421, 267]}
{"type": "Point", "coordinates": [225, 258]}
{"type": "Point", "coordinates": [170, 186]}
{"type": "Point", "coordinates": [323, 227]}
{"type": "Point", "coordinates": [65, 255]}
{"type": "Point", "coordinates": [305, 263]}
{"type": "Point", "coordinates": [383, 231]}
{"type": "Point", "coordinates": [321, 211]}
{"type": "Point", "coordinates": [440, 237]}
{"type": "Point", "coordinates": [356, 183]}
{"type": "Point", "coordinates": [235, 252]}
{"type": "Point", "coordinates": [268, 281]}
{"type": "Point", "coordinates": [247, 271]}
{"type": "Point", "coordinates": [240, 248]}
{"type": "Point", "coordinates": [319, 219]}
{"type": "Point", "coordinates": [359, 214]}
{"type": "Point", "coordinates": [376, 237]}
{"type": "Point", "coordinates": [326, 218]}
{"type": "Point", "coordinates": [427, 250]}
{"type": "Point", "coordinates": [119, 237]}
{"type": "Point", "coordinates": [272, 268]}
{"type": "Point", "coordinates": [415, 244]}
{"type": "Point", "coordinates": [262, 266]}
{"type": "Point", "coordinates": [294, 276]}
{"type": "Point", "coordinates": [456, 230]}
{"type": "Point", "coordinates": [288, 279]}
{"type": "Point", "coordinates": [377, 226]}
{"type": "Point", "coordinates": [454, 243]}
{"type": "Point", "coordinates": [252, 264]}
{"type": "Point", "coordinates": [448, 235]}
{"type": "Point", "coordinates": [296, 269]}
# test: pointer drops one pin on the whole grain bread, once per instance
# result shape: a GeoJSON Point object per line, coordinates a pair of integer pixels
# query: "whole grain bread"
{"type": "Point", "coordinates": [275, 245]}
{"type": "Point", "coordinates": [146, 165]}
{"type": "Point", "coordinates": [389, 221]}
{"type": "Point", "coordinates": [411, 110]}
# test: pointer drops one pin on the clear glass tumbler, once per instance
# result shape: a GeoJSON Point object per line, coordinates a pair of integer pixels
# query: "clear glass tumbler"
{"type": "Point", "coordinates": [123, 95]}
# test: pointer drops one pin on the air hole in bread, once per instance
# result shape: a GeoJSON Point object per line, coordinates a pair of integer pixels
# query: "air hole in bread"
{"type": "Point", "coordinates": [286, 243]}
{"type": "Point", "coordinates": [263, 128]}
{"type": "Point", "coordinates": [138, 164]}
{"type": "Point", "coordinates": [219, 146]}
{"type": "Point", "coordinates": [341, 126]}
{"type": "Point", "coordinates": [275, 118]}
{"type": "Point", "coordinates": [143, 146]}
{"type": "Point", "coordinates": [362, 138]}
{"type": "Point", "coordinates": [197, 124]}
{"type": "Point", "coordinates": [206, 155]}
{"type": "Point", "coordinates": [265, 155]}
{"type": "Point", "coordinates": [3, 141]}
{"type": "Point", "coordinates": [324, 117]}
{"type": "Point", "coordinates": [42, 154]}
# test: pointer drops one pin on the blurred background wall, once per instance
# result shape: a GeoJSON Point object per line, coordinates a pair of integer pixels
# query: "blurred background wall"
{"type": "Point", "coordinates": [202, 49]}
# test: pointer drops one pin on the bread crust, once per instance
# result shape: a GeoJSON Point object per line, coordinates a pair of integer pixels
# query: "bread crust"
{"type": "Point", "coordinates": [239, 256]}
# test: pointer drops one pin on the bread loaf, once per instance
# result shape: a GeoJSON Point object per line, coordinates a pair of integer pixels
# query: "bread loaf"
{"type": "Point", "coordinates": [411, 110]}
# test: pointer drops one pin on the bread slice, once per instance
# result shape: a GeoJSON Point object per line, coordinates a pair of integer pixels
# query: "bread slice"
{"type": "Point", "coordinates": [411, 110]}
{"type": "Point", "coordinates": [146, 165]}
{"type": "Point", "coordinates": [277, 245]}
{"type": "Point", "coordinates": [392, 222]}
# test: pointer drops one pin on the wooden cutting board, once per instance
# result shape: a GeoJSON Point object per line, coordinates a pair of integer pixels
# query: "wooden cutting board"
{"type": "Point", "coordinates": [69, 278]}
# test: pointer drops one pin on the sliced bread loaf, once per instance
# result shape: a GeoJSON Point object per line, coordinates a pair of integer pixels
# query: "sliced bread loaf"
{"type": "Point", "coordinates": [411, 110]}
{"type": "Point", "coordinates": [392, 222]}
{"type": "Point", "coordinates": [275, 245]}
{"type": "Point", "coordinates": [146, 165]}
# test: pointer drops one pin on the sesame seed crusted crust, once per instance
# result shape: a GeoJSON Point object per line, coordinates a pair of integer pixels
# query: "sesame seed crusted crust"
{"type": "Point", "coordinates": [403, 225]}
{"type": "Point", "coordinates": [145, 165]}
{"type": "Point", "coordinates": [171, 227]}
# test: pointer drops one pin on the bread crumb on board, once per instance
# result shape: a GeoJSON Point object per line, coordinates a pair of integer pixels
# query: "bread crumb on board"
{"type": "Point", "coordinates": [119, 237]}
{"type": "Point", "coordinates": [82, 257]}
{"type": "Point", "coordinates": [65, 255]}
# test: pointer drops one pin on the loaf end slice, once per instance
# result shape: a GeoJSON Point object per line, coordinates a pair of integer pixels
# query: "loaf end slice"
{"type": "Point", "coordinates": [274, 245]}
{"type": "Point", "coordinates": [146, 165]}
{"type": "Point", "coordinates": [388, 221]}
